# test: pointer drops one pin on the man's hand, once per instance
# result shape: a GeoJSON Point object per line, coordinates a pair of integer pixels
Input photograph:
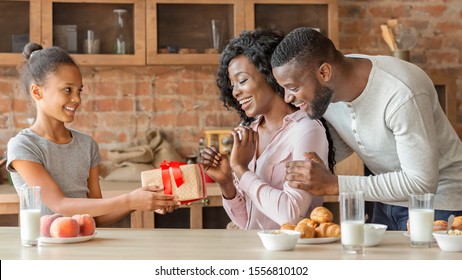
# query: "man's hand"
{"type": "Point", "coordinates": [311, 175]}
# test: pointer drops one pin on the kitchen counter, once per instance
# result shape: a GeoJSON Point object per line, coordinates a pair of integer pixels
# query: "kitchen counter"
{"type": "Point", "coordinates": [203, 244]}
{"type": "Point", "coordinates": [9, 202]}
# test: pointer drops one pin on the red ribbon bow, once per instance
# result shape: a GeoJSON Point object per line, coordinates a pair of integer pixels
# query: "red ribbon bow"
{"type": "Point", "coordinates": [176, 171]}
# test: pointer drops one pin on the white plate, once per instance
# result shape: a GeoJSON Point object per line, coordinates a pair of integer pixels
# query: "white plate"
{"type": "Point", "coordinates": [319, 240]}
{"type": "Point", "coordinates": [66, 239]}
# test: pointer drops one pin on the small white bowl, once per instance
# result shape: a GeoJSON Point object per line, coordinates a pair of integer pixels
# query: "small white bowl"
{"type": "Point", "coordinates": [373, 234]}
{"type": "Point", "coordinates": [448, 243]}
{"type": "Point", "coordinates": [279, 240]}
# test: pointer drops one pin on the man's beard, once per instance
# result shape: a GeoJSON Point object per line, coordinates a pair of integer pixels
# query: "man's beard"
{"type": "Point", "coordinates": [323, 97]}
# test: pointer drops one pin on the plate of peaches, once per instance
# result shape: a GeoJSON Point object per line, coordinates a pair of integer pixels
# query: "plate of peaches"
{"type": "Point", "coordinates": [63, 240]}
{"type": "Point", "coordinates": [60, 230]}
{"type": "Point", "coordinates": [318, 229]}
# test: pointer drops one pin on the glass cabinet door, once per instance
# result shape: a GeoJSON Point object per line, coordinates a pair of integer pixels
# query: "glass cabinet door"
{"type": "Point", "coordinates": [288, 15]}
{"type": "Point", "coordinates": [103, 32]}
{"type": "Point", "coordinates": [20, 25]}
{"type": "Point", "coordinates": [191, 32]}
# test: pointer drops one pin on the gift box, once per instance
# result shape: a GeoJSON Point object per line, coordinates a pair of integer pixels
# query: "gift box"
{"type": "Point", "coordinates": [186, 181]}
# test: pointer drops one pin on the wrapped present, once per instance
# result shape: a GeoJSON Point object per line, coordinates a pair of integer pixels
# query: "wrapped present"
{"type": "Point", "coordinates": [186, 181]}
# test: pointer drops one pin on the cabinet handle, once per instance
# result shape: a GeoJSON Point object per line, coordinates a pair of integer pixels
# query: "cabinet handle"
{"type": "Point", "coordinates": [205, 201]}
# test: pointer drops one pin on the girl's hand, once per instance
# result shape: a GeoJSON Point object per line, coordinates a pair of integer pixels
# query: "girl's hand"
{"type": "Point", "coordinates": [244, 147]}
{"type": "Point", "coordinates": [150, 198]}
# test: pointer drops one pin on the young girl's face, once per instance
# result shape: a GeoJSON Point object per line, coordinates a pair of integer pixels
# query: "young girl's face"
{"type": "Point", "coordinates": [61, 94]}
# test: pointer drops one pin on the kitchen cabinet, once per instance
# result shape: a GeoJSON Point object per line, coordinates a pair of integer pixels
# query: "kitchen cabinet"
{"type": "Point", "coordinates": [99, 17]}
{"type": "Point", "coordinates": [161, 32]}
{"type": "Point", "coordinates": [290, 14]}
{"type": "Point", "coordinates": [446, 90]}
{"type": "Point", "coordinates": [20, 24]}
{"type": "Point", "coordinates": [180, 32]}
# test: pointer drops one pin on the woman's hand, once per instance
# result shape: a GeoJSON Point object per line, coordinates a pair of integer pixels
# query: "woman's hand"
{"type": "Point", "coordinates": [216, 165]}
{"type": "Point", "coordinates": [244, 147]}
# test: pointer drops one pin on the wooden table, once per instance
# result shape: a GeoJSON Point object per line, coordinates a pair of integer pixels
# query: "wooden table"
{"type": "Point", "coordinates": [9, 202]}
{"type": "Point", "coordinates": [204, 244]}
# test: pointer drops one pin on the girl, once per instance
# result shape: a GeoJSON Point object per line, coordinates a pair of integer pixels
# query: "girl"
{"type": "Point", "coordinates": [63, 161]}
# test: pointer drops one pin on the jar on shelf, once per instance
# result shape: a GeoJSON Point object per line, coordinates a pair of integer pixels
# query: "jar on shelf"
{"type": "Point", "coordinates": [121, 44]}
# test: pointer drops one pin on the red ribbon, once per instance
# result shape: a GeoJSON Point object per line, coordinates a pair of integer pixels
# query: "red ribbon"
{"type": "Point", "coordinates": [176, 171]}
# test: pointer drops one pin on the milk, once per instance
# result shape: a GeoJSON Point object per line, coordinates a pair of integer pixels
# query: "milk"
{"type": "Point", "coordinates": [352, 232]}
{"type": "Point", "coordinates": [30, 226]}
{"type": "Point", "coordinates": [421, 224]}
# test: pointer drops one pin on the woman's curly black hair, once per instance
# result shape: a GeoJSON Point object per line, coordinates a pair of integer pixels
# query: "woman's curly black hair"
{"type": "Point", "coordinates": [257, 45]}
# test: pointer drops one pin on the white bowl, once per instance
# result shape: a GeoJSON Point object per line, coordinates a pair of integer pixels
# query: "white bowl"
{"type": "Point", "coordinates": [373, 234]}
{"type": "Point", "coordinates": [279, 240]}
{"type": "Point", "coordinates": [449, 243]}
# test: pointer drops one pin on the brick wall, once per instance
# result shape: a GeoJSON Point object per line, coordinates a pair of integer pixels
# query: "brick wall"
{"type": "Point", "coordinates": [439, 40]}
{"type": "Point", "coordinates": [120, 103]}
{"type": "Point", "coordinates": [123, 102]}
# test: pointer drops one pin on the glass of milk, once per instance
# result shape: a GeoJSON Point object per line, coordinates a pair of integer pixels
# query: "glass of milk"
{"type": "Point", "coordinates": [352, 222]}
{"type": "Point", "coordinates": [29, 215]}
{"type": "Point", "coordinates": [421, 216]}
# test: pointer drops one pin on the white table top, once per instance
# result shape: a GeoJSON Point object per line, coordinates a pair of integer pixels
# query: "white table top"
{"type": "Point", "coordinates": [206, 244]}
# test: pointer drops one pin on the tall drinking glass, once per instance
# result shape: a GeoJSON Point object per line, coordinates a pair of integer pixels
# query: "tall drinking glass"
{"type": "Point", "coordinates": [29, 215]}
{"type": "Point", "coordinates": [421, 216]}
{"type": "Point", "coordinates": [352, 222]}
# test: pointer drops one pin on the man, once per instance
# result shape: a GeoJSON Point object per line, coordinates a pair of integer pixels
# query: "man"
{"type": "Point", "coordinates": [384, 109]}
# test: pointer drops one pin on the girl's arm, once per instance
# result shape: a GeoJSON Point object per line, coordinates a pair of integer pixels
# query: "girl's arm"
{"type": "Point", "coordinates": [143, 199]}
{"type": "Point", "coordinates": [95, 192]}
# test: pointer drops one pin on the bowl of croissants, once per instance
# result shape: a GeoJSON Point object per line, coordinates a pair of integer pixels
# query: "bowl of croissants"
{"type": "Point", "coordinates": [318, 228]}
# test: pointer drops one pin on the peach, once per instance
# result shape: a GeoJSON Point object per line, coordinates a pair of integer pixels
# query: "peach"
{"type": "Point", "coordinates": [87, 224]}
{"type": "Point", "coordinates": [64, 227]}
{"type": "Point", "coordinates": [45, 224]}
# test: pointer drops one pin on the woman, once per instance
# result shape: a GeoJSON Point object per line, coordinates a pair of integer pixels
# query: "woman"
{"type": "Point", "coordinates": [255, 194]}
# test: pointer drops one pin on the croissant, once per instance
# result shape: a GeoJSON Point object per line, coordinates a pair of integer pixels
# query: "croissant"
{"type": "Point", "coordinates": [321, 215]}
{"type": "Point", "coordinates": [440, 225]}
{"type": "Point", "coordinates": [307, 231]}
{"type": "Point", "coordinates": [288, 226]}
{"type": "Point", "coordinates": [457, 224]}
{"type": "Point", "coordinates": [328, 230]}
{"type": "Point", "coordinates": [308, 222]}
